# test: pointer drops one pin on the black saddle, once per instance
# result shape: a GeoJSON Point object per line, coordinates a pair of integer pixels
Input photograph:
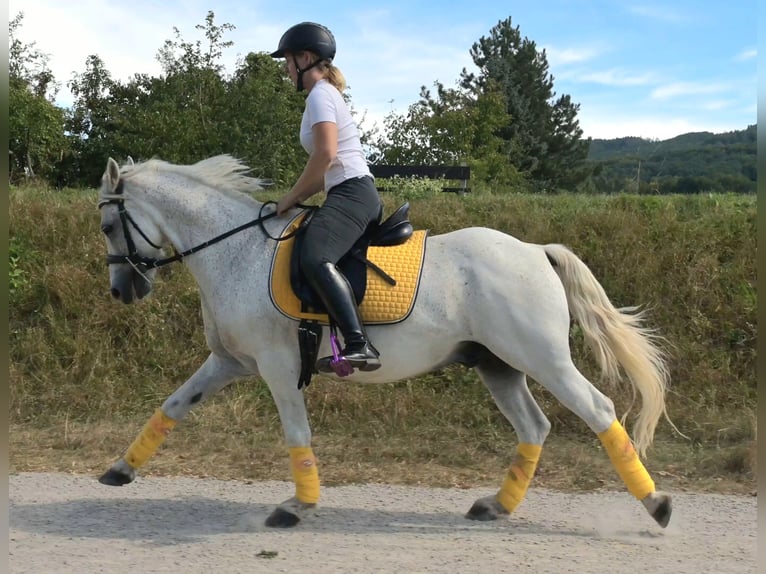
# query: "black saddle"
{"type": "Point", "coordinates": [394, 230]}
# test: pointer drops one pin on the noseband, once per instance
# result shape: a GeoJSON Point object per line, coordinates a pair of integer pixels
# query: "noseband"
{"type": "Point", "coordinates": [133, 257]}
{"type": "Point", "coordinates": [142, 263]}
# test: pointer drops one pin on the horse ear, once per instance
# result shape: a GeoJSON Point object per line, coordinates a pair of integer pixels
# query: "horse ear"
{"type": "Point", "coordinates": [112, 175]}
{"type": "Point", "coordinates": [130, 161]}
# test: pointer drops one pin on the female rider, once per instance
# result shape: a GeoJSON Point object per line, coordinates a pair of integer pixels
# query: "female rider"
{"type": "Point", "coordinates": [337, 164]}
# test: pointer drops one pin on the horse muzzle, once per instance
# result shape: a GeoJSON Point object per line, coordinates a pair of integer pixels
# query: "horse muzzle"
{"type": "Point", "coordinates": [128, 286]}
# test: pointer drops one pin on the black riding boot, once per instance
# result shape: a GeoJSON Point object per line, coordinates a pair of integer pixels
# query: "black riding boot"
{"type": "Point", "coordinates": [336, 294]}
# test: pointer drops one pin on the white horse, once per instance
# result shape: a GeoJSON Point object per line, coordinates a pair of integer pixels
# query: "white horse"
{"type": "Point", "coordinates": [485, 299]}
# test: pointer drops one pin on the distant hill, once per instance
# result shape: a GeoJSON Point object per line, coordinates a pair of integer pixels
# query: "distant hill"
{"type": "Point", "coordinates": [696, 162]}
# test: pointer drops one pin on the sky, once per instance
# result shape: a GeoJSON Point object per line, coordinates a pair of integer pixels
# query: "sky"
{"type": "Point", "coordinates": [646, 68]}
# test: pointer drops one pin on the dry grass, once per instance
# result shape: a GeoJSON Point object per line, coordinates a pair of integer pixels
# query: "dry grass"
{"type": "Point", "coordinates": [198, 448]}
{"type": "Point", "coordinates": [86, 372]}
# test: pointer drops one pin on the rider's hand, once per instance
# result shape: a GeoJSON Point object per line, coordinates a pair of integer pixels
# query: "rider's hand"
{"type": "Point", "coordinates": [283, 205]}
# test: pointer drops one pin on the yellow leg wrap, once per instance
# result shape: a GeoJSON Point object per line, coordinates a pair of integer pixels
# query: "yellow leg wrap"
{"type": "Point", "coordinates": [626, 461]}
{"type": "Point", "coordinates": [146, 444]}
{"type": "Point", "coordinates": [519, 475]}
{"type": "Point", "coordinates": [305, 474]}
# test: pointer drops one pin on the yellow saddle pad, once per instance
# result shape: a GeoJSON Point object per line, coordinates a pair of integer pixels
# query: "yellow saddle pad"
{"type": "Point", "coordinates": [382, 303]}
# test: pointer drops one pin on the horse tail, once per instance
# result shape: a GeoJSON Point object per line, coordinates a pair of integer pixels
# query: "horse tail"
{"type": "Point", "coordinates": [618, 339]}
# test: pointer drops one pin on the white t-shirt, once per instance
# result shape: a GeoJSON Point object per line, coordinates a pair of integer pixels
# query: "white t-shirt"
{"type": "Point", "coordinates": [325, 104]}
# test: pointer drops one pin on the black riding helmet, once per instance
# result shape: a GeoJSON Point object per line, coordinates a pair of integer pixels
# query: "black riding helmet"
{"type": "Point", "coordinates": [306, 37]}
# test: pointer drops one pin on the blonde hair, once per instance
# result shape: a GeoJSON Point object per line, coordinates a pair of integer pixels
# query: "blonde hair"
{"type": "Point", "coordinates": [333, 75]}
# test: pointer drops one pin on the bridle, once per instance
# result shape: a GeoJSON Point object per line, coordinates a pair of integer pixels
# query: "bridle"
{"type": "Point", "coordinates": [142, 263]}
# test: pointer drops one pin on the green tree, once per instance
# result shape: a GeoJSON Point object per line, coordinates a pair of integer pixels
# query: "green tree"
{"type": "Point", "coordinates": [89, 125]}
{"type": "Point", "coordinates": [264, 119]}
{"type": "Point", "coordinates": [176, 116]}
{"type": "Point", "coordinates": [28, 64]}
{"type": "Point", "coordinates": [193, 84]}
{"type": "Point", "coordinates": [543, 131]}
{"type": "Point", "coordinates": [191, 111]}
{"type": "Point", "coordinates": [36, 125]}
{"type": "Point", "coordinates": [36, 133]}
{"type": "Point", "coordinates": [452, 126]}
{"type": "Point", "coordinates": [491, 152]}
{"type": "Point", "coordinates": [433, 131]}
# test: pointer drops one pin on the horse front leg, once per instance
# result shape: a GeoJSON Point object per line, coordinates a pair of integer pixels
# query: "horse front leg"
{"type": "Point", "coordinates": [292, 413]}
{"type": "Point", "coordinates": [214, 374]}
{"type": "Point", "coordinates": [508, 387]}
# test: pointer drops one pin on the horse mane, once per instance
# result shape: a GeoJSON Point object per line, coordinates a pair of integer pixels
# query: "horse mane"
{"type": "Point", "coordinates": [224, 173]}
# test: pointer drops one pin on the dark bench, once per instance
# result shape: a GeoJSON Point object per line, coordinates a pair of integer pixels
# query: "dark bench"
{"type": "Point", "coordinates": [453, 172]}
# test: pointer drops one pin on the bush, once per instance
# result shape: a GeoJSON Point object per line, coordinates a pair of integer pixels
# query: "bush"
{"type": "Point", "coordinates": [17, 277]}
{"type": "Point", "coordinates": [409, 188]}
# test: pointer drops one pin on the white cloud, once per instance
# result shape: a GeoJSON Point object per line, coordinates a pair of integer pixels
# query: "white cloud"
{"type": "Point", "coordinates": [127, 37]}
{"type": "Point", "coordinates": [678, 89]}
{"type": "Point", "coordinates": [747, 54]}
{"type": "Point", "coordinates": [388, 73]}
{"type": "Point", "coordinates": [616, 77]}
{"type": "Point", "coordinates": [69, 35]}
{"type": "Point", "coordinates": [716, 105]}
{"type": "Point", "coordinates": [662, 13]}
{"type": "Point", "coordinates": [564, 56]}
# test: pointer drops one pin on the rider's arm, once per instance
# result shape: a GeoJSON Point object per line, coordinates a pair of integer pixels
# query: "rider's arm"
{"type": "Point", "coordinates": [311, 181]}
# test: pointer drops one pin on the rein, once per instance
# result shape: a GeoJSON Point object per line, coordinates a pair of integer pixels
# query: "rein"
{"type": "Point", "coordinates": [143, 263]}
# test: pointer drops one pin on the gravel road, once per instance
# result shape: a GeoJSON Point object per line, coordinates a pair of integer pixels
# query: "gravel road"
{"type": "Point", "coordinates": [70, 523]}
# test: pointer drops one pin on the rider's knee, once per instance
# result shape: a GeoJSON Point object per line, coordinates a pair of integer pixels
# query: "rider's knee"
{"type": "Point", "coordinates": [310, 262]}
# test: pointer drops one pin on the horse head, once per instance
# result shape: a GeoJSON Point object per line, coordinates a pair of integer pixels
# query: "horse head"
{"type": "Point", "coordinates": [133, 240]}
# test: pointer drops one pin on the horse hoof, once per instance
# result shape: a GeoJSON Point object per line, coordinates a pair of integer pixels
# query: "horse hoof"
{"type": "Point", "coordinates": [485, 510]}
{"type": "Point", "coordinates": [115, 478]}
{"type": "Point", "coordinates": [281, 518]}
{"type": "Point", "coordinates": [481, 513]}
{"type": "Point", "coordinates": [663, 512]}
{"type": "Point", "coordinates": [660, 506]}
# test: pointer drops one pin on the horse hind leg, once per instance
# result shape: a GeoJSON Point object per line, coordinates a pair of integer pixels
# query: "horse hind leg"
{"type": "Point", "coordinates": [579, 395]}
{"type": "Point", "coordinates": [620, 342]}
{"type": "Point", "coordinates": [508, 387]}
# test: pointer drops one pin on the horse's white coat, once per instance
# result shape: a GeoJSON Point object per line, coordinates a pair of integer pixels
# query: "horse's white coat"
{"type": "Point", "coordinates": [478, 285]}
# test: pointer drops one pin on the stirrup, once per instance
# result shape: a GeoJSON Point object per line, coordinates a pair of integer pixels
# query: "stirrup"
{"type": "Point", "coordinates": [342, 367]}
{"type": "Point", "coordinates": [335, 363]}
{"type": "Point", "coordinates": [340, 364]}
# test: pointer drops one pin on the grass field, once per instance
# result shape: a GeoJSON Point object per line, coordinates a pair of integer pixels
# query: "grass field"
{"type": "Point", "coordinates": [86, 372]}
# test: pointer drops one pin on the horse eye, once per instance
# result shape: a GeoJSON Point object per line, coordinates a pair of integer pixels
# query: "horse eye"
{"type": "Point", "coordinates": [107, 228]}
